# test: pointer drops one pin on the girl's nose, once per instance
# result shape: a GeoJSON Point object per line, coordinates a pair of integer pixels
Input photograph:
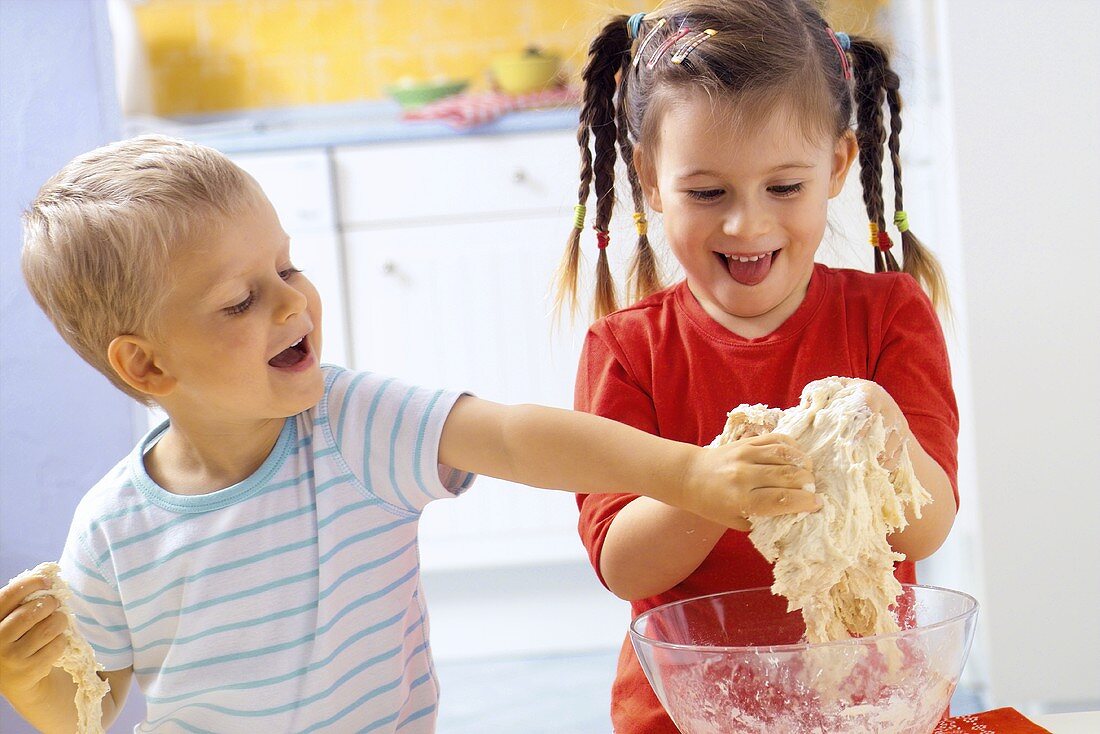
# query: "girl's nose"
{"type": "Point", "coordinates": [746, 221]}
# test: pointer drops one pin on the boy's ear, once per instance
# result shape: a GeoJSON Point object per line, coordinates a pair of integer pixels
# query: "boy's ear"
{"type": "Point", "coordinates": [647, 176]}
{"type": "Point", "coordinates": [844, 155]}
{"type": "Point", "coordinates": [134, 361]}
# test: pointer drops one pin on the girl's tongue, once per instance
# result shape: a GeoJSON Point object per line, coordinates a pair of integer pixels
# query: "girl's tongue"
{"type": "Point", "coordinates": [750, 273]}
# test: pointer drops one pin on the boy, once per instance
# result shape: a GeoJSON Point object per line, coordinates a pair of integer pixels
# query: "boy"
{"type": "Point", "coordinates": [254, 562]}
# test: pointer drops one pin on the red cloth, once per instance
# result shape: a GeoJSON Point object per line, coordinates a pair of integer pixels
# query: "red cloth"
{"type": "Point", "coordinates": [468, 110]}
{"type": "Point", "coordinates": [664, 366]}
{"type": "Point", "coordinates": [997, 721]}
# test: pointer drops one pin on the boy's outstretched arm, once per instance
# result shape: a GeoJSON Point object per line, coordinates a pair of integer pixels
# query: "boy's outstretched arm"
{"type": "Point", "coordinates": [578, 452]}
{"type": "Point", "coordinates": [31, 639]}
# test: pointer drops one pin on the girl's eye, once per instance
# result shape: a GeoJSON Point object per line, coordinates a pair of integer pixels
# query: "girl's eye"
{"type": "Point", "coordinates": [787, 190]}
{"type": "Point", "coordinates": [289, 273]}
{"type": "Point", "coordinates": [706, 194]}
{"type": "Point", "coordinates": [242, 306]}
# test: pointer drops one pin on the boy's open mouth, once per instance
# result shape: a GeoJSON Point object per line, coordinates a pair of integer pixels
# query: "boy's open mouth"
{"type": "Point", "coordinates": [292, 355]}
{"type": "Point", "coordinates": [748, 269]}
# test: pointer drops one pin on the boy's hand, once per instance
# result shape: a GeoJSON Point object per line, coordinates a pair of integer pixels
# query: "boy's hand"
{"type": "Point", "coordinates": [762, 475]}
{"type": "Point", "coordinates": [31, 636]}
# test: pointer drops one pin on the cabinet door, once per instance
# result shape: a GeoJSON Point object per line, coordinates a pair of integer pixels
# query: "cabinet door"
{"type": "Point", "coordinates": [466, 306]}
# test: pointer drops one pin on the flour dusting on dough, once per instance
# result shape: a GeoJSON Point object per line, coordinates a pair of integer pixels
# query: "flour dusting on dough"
{"type": "Point", "coordinates": [835, 564]}
{"type": "Point", "coordinates": [77, 659]}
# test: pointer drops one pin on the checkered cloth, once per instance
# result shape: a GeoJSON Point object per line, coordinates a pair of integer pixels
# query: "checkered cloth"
{"type": "Point", "coordinates": [997, 721]}
{"type": "Point", "coordinates": [463, 111]}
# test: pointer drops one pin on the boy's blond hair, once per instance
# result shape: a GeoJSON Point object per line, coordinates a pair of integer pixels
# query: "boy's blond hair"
{"type": "Point", "coordinates": [98, 237]}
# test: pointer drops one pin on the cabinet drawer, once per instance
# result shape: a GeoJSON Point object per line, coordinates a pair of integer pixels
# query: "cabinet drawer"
{"type": "Point", "coordinates": [299, 185]}
{"type": "Point", "coordinates": [457, 178]}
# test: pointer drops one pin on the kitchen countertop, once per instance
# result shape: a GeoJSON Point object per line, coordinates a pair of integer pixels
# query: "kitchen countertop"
{"type": "Point", "coordinates": [1084, 722]}
{"type": "Point", "coordinates": [357, 123]}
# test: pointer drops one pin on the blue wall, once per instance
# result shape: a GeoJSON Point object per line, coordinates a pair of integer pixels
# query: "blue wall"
{"type": "Point", "coordinates": [62, 425]}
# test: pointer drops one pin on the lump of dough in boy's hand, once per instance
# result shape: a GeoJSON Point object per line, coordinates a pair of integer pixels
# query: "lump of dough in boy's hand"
{"type": "Point", "coordinates": [77, 659]}
{"type": "Point", "coordinates": [836, 564]}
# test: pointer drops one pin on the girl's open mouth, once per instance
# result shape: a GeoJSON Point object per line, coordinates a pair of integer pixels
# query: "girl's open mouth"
{"type": "Point", "coordinates": [293, 356]}
{"type": "Point", "coordinates": [748, 269]}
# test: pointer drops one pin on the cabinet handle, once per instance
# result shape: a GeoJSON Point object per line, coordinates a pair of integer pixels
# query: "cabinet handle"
{"type": "Point", "coordinates": [391, 270]}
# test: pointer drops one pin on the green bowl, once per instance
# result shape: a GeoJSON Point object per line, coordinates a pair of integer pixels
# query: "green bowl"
{"type": "Point", "coordinates": [418, 95]}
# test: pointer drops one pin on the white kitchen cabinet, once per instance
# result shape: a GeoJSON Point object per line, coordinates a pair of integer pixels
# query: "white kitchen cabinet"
{"type": "Point", "coordinates": [480, 177]}
{"type": "Point", "coordinates": [465, 306]}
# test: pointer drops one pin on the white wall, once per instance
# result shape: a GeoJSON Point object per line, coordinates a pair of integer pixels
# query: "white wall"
{"type": "Point", "coordinates": [1022, 91]}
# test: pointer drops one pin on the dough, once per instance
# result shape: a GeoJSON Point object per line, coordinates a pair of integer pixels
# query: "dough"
{"type": "Point", "coordinates": [77, 659]}
{"type": "Point", "coordinates": [835, 564]}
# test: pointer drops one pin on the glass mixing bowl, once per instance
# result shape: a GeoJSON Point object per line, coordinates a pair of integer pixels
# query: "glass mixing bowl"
{"type": "Point", "coordinates": [737, 662]}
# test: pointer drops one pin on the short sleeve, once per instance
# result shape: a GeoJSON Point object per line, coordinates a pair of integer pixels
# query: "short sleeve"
{"type": "Point", "coordinates": [606, 387]}
{"type": "Point", "coordinates": [913, 367]}
{"type": "Point", "coordinates": [388, 433]}
{"type": "Point", "coordinates": [96, 602]}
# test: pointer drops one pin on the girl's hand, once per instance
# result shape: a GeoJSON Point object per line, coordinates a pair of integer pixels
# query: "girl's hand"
{"type": "Point", "coordinates": [897, 428]}
{"type": "Point", "coordinates": [763, 476]}
{"type": "Point", "coordinates": [31, 636]}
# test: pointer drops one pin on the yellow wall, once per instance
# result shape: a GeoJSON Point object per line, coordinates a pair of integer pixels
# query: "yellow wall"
{"type": "Point", "coordinates": [210, 55]}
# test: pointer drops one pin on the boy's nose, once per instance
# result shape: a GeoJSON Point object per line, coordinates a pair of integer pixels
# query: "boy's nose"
{"type": "Point", "coordinates": [291, 302]}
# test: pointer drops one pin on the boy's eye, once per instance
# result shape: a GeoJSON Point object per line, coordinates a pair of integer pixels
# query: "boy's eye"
{"type": "Point", "coordinates": [289, 273]}
{"type": "Point", "coordinates": [786, 190]}
{"type": "Point", "coordinates": [242, 306]}
{"type": "Point", "coordinates": [706, 194]}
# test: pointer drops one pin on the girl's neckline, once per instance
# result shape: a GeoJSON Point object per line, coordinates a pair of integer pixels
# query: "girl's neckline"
{"type": "Point", "coordinates": [795, 323]}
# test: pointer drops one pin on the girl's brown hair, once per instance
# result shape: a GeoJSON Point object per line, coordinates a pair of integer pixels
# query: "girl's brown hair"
{"type": "Point", "coordinates": [765, 52]}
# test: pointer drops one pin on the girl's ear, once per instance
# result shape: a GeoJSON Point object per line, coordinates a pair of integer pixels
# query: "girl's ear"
{"type": "Point", "coordinates": [134, 361]}
{"type": "Point", "coordinates": [647, 177]}
{"type": "Point", "coordinates": [844, 155]}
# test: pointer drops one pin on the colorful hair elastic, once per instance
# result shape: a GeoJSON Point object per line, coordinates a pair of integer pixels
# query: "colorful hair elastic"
{"type": "Point", "coordinates": [666, 46]}
{"type": "Point", "coordinates": [842, 42]}
{"type": "Point", "coordinates": [641, 224]}
{"type": "Point", "coordinates": [649, 37]}
{"type": "Point", "coordinates": [901, 220]}
{"type": "Point", "coordinates": [634, 24]}
{"type": "Point", "coordinates": [880, 238]}
{"type": "Point", "coordinates": [687, 49]}
{"type": "Point", "coordinates": [603, 238]}
{"type": "Point", "coordinates": [578, 216]}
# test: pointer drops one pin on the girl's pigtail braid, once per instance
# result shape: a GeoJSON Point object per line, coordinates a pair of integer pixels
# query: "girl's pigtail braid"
{"type": "Point", "coordinates": [643, 276]}
{"type": "Point", "coordinates": [597, 118]}
{"type": "Point", "coordinates": [869, 68]}
{"type": "Point", "coordinates": [917, 260]}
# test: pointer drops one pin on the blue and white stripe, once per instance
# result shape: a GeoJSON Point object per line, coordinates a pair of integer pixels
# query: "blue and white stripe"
{"type": "Point", "coordinates": [289, 602]}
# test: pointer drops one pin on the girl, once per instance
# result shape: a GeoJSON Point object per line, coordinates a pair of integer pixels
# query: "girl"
{"type": "Point", "coordinates": [734, 121]}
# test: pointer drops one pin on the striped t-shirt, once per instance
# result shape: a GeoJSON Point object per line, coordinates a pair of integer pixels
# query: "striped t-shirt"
{"type": "Point", "coordinates": [289, 602]}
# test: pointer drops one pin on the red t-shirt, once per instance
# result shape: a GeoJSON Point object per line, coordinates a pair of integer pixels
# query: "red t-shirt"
{"type": "Point", "coordinates": [664, 366]}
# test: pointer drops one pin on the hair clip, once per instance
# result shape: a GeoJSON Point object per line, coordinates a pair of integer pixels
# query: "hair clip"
{"type": "Point", "coordinates": [688, 48]}
{"type": "Point", "coordinates": [649, 37]}
{"type": "Point", "coordinates": [641, 224]}
{"type": "Point", "coordinates": [842, 43]}
{"type": "Point", "coordinates": [634, 24]}
{"type": "Point", "coordinates": [652, 63]}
